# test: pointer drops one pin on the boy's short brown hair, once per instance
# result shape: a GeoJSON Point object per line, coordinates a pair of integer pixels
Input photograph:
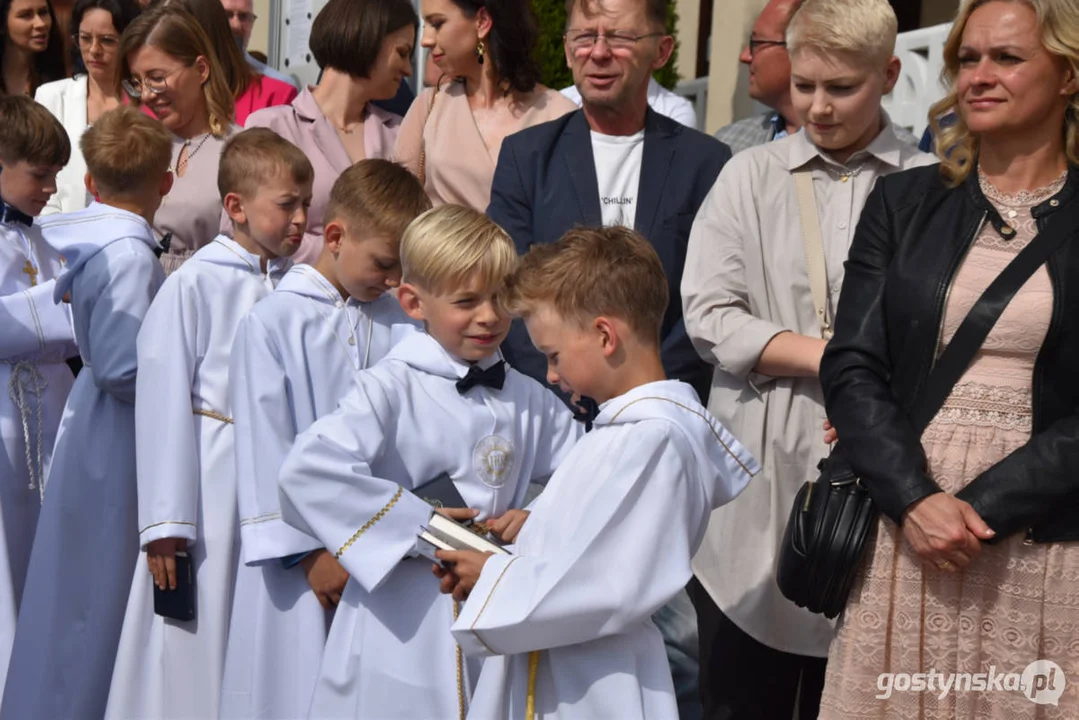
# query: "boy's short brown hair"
{"type": "Point", "coordinates": [446, 247]}
{"type": "Point", "coordinates": [30, 132]}
{"type": "Point", "coordinates": [377, 196]}
{"type": "Point", "coordinates": [589, 272]}
{"type": "Point", "coordinates": [125, 150]}
{"type": "Point", "coordinates": [254, 156]}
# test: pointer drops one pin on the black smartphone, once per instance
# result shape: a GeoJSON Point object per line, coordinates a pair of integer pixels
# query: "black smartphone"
{"type": "Point", "coordinates": [178, 604]}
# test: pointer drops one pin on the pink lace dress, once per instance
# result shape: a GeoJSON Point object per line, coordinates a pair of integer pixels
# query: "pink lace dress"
{"type": "Point", "coordinates": [1016, 603]}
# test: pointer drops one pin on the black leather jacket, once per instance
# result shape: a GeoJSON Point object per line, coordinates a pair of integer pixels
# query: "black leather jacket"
{"type": "Point", "coordinates": [910, 241]}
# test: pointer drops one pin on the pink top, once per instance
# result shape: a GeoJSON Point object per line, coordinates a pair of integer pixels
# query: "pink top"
{"type": "Point", "coordinates": [303, 124]}
{"type": "Point", "coordinates": [264, 92]}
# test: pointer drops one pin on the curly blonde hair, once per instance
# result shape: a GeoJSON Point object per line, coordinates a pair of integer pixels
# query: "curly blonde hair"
{"type": "Point", "coordinates": [1058, 23]}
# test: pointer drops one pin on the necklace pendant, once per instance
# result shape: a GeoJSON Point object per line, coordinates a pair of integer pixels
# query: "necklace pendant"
{"type": "Point", "coordinates": [1012, 213]}
{"type": "Point", "coordinates": [352, 340]}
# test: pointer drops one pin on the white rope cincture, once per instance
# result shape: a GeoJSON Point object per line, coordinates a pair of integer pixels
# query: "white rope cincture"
{"type": "Point", "coordinates": [25, 379]}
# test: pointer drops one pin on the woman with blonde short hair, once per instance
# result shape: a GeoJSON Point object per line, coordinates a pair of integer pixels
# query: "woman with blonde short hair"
{"type": "Point", "coordinates": [170, 67]}
{"type": "Point", "coordinates": [967, 604]}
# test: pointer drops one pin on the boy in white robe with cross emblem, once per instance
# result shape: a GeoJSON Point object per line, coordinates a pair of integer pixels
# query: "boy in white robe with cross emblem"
{"type": "Point", "coordinates": [294, 358]}
{"type": "Point", "coordinates": [440, 402]}
{"type": "Point", "coordinates": [35, 339]}
{"type": "Point", "coordinates": [565, 621]}
{"type": "Point", "coordinates": [167, 668]}
{"type": "Point", "coordinates": [73, 604]}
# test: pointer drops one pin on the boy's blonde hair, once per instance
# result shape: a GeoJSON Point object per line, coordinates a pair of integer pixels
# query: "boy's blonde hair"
{"type": "Point", "coordinates": [865, 28]}
{"type": "Point", "coordinates": [30, 132]}
{"type": "Point", "coordinates": [255, 156]}
{"type": "Point", "coordinates": [445, 247]}
{"type": "Point", "coordinates": [1058, 25]}
{"type": "Point", "coordinates": [126, 151]}
{"type": "Point", "coordinates": [593, 272]}
{"type": "Point", "coordinates": [377, 196]}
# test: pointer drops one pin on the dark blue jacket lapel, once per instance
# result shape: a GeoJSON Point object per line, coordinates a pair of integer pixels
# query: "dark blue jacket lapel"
{"type": "Point", "coordinates": [577, 149]}
{"type": "Point", "coordinates": [656, 161]}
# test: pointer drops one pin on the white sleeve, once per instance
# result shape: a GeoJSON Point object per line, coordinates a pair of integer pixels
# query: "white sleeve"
{"type": "Point", "coordinates": [166, 449]}
{"type": "Point", "coordinates": [264, 418]}
{"type": "Point", "coordinates": [35, 326]}
{"type": "Point", "coordinates": [626, 560]}
{"type": "Point", "coordinates": [328, 489]}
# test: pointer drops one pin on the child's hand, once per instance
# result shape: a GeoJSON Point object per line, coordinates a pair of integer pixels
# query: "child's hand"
{"type": "Point", "coordinates": [447, 580]}
{"type": "Point", "coordinates": [506, 527]}
{"type": "Point", "coordinates": [161, 557]}
{"type": "Point", "coordinates": [458, 514]}
{"type": "Point", "coordinates": [467, 565]}
{"type": "Point", "coordinates": [326, 577]}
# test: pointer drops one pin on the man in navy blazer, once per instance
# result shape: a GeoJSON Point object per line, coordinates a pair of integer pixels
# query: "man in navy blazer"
{"type": "Point", "coordinates": [546, 179]}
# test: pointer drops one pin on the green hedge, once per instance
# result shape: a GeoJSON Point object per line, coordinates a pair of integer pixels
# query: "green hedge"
{"type": "Point", "coordinates": [552, 58]}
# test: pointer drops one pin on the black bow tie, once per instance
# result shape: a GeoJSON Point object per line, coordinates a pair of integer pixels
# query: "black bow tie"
{"type": "Point", "coordinates": [11, 215]}
{"type": "Point", "coordinates": [163, 245]}
{"type": "Point", "coordinates": [492, 377]}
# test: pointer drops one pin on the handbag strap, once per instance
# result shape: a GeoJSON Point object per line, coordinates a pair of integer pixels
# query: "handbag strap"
{"type": "Point", "coordinates": [423, 133]}
{"type": "Point", "coordinates": [814, 249]}
{"type": "Point", "coordinates": [976, 326]}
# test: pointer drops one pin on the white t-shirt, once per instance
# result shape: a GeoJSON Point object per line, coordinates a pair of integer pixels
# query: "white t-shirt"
{"type": "Point", "coordinates": [618, 175]}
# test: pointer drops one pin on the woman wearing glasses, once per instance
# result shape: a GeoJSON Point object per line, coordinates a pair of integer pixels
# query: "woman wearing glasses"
{"type": "Point", "coordinates": [170, 67]}
{"type": "Point", "coordinates": [31, 51]}
{"type": "Point", "coordinates": [77, 102]}
{"type": "Point", "coordinates": [489, 89]}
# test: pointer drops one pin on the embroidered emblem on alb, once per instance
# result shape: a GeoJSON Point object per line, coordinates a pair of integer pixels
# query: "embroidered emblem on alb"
{"type": "Point", "coordinates": [493, 460]}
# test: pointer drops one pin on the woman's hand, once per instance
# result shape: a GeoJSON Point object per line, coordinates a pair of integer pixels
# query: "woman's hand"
{"type": "Point", "coordinates": [945, 531]}
{"type": "Point", "coordinates": [830, 434]}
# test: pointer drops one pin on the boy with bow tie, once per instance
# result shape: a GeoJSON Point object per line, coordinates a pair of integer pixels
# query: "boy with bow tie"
{"type": "Point", "coordinates": [440, 402]}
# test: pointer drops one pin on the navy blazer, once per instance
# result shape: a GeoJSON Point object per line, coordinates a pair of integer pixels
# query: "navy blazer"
{"type": "Point", "coordinates": [545, 183]}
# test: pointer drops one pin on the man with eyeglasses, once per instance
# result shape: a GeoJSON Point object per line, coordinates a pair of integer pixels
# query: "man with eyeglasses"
{"type": "Point", "coordinates": [616, 162]}
{"type": "Point", "coordinates": [242, 17]}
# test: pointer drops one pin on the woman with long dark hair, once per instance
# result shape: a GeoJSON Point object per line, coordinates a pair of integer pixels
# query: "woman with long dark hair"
{"type": "Point", "coordinates": [77, 102]}
{"type": "Point", "coordinates": [489, 89]}
{"type": "Point", "coordinates": [31, 49]}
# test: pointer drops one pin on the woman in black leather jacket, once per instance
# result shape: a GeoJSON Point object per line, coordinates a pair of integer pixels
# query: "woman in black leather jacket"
{"type": "Point", "coordinates": [975, 565]}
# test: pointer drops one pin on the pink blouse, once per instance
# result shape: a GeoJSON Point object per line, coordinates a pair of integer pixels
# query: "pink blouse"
{"type": "Point", "coordinates": [264, 92]}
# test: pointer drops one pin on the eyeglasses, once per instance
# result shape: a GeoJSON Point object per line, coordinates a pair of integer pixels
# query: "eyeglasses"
{"type": "Point", "coordinates": [156, 85]}
{"type": "Point", "coordinates": [586, 39]}
{"type": "Point", "coordinates": [755, 45]}
{"type": "Point", "coordinates": [86, 41]}
{"type": "Point", "coordinates": [244, 17]}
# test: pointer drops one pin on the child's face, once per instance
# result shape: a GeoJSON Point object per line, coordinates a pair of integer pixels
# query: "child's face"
{"type": "Point", "coordinates": [276, 215]}
{"type": "Point", "coordinates": [576, 361]}
{"type": "Point", "coordinates": [467, 321]}
{"type": "Point", "coordinates": [837, 96]}
{"type": "Point", "coordinates": [367, 264]}
{"type": "Point", "coordinates": [27, 186]}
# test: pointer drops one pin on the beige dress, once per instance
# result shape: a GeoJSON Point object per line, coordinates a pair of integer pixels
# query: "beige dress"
{"type": "Point", "coordinates": [458, 166]}
{"type": "Point", "coordinates": [1016, 603]}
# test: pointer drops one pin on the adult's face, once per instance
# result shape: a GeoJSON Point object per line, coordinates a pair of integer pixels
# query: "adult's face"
{"type": "Point", "coordinates": [241, 14]}
{"type": "Point", "coordinates": [171, 89]}
{"type": "Point", "coordinates": [393, 63]}
{"type": "Point", "coordinates": [452, 37]}
{"type": "Point", "coordinates": [98, 42]}
{"type": "Point", "coordinates": [28, 25]}
{"type": "Point", "coordinates": [611, 73]}
{"type": "Point", "coordinates": [1008, 83]}
{"type": "Point", "coordinates": [766, 55]}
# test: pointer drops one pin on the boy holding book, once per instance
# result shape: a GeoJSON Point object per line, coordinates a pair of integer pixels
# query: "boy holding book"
{"type": "Point", "coordinates": [567, 616]}
{"type": "Point", "coordinates": [442, 403]}
{"type": "Point", "coordinates": [294, 358]}
{"type": "Point", "coordinates": [73, 604]}
{"type": "Point", "coordinates": [186, 459]}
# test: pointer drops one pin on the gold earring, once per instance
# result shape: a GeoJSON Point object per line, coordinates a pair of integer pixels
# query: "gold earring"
{"type": "Point", "coordinates": [481, 48]}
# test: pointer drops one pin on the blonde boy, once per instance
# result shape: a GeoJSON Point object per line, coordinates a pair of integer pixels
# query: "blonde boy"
{"type": "Point", "coordinates": [441, 402]}
{"type": "Point", "coordinates": [749, 309]}
{"type": "Point", "coordinates": [567, 617]}
{"type": "Point", "coordinates": [294, 358]}
{"type": "Point", "coordinates": [69, 625]}
{"type": "Point", "coordinates": [186, 461]}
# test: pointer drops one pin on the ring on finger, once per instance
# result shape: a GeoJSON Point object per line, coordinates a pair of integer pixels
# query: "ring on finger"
{"type": "Point", "coordinates": [944, 564]}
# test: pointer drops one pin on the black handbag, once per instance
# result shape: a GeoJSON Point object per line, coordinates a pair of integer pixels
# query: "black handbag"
{"type": "Point", "coordinates": [831, 518]}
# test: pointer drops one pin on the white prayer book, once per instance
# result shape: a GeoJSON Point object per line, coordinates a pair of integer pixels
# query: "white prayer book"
{"type": "Point", "coordinates": [443, 533]}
